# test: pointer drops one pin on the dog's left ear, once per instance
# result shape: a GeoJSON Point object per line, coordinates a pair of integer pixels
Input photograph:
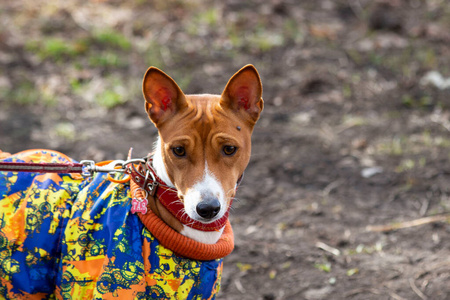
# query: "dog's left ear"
{"type": "Point", "coordinates": [163, 96]}
{"type": "Point", "coordinates": [243, 92]}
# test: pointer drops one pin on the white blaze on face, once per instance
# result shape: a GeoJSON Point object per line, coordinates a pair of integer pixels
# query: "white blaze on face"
{"type": "Point", "coordinates": [207, 186]}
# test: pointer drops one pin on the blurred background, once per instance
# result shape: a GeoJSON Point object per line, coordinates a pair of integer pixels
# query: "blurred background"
{"type": "Point", "coordinates": [354, 135]}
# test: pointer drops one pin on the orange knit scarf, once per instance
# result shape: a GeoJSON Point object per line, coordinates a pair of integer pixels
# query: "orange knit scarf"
{"type": "Point", "coordinates": [179, 243]}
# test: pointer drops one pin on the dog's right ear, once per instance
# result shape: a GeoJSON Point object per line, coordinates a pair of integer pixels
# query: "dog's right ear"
{"type": "Point", "coordinates": [162, 95]}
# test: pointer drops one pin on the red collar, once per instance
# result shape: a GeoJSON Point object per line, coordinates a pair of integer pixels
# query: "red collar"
{"type": "Point", "coordinates": [168, 197]}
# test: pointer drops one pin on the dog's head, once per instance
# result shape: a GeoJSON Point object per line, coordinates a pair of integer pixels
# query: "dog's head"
{"type": "Point", "coordinates": [204, 140]}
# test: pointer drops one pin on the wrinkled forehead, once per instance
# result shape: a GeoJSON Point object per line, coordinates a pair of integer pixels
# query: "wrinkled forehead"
{"type": "Point", "coordinates": [202, 117]}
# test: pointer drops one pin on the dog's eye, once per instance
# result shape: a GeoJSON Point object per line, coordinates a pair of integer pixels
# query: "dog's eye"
{"type": "Point", "coordinates": [179, 151]}
{"type": "Point", "coordinates": [229, 150]}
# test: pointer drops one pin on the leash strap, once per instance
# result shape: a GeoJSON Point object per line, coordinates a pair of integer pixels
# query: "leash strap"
{"type": "Point", "coordinates": [87, 168]}
{"type": "Point", "coordinates": [41, 167]}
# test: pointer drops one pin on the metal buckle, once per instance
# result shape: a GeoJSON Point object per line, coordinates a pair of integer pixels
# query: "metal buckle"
{"type": "Point", "coordinates": [152, 186]}
{"type": "Point", "coordinates": [88, 168]}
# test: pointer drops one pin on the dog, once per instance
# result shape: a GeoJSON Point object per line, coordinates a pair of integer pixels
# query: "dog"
{"type": "Point", "coordinates": [159, 231]}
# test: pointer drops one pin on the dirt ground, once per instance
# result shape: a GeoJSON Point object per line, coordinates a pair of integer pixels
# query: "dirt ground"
{"type": "Point", "coordinates": [355, 133]}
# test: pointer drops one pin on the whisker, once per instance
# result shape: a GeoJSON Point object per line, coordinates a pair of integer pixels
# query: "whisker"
{"type": "Point", "coordinates": [178, 201]}
{"type": "Point", "coordinates": [164, 192]}
{"type": "Point", "coordinates": [237, 200]}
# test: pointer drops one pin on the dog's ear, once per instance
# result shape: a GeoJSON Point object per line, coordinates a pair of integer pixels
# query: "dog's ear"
{"type": "Point", "coordinates": [243, 92]}
{"type": "Point", "coordinates": [162, 95]}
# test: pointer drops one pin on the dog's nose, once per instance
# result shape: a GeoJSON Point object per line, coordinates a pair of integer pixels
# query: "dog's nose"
{"type": "Point", "coordinates": [208, 209]}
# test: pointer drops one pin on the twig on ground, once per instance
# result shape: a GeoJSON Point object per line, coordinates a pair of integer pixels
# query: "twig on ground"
{"type": "Point", "coordinates": [417, 290]}
{"type": "Point", "coordinates": [330, 187]}
{"type": "Point", "coordinates": [362, 290]}
{"type": "Point", "coordinates": [425, 205]}
{"type": "Point", "coordinates": [407, 224]}
{"type": "Point", "coordinates": [433, 267]}
{"type": "Point", "coordinates": [239, 286]}
{"type": "Point", "coordinates": [395, 296]}
{"type": "Point", "coordinates": [327, 248]}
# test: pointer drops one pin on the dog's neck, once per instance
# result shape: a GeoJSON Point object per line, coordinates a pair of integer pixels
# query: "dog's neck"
{"type": "Point", "coordinates": [206, 237]}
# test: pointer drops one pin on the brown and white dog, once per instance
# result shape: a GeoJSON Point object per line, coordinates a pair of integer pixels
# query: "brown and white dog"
{"type": "Point", "coordinates": [204, 144]}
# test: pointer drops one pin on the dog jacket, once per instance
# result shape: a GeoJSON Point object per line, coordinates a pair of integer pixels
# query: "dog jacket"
{"type": "Point", "coordinates": [69, 237]}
